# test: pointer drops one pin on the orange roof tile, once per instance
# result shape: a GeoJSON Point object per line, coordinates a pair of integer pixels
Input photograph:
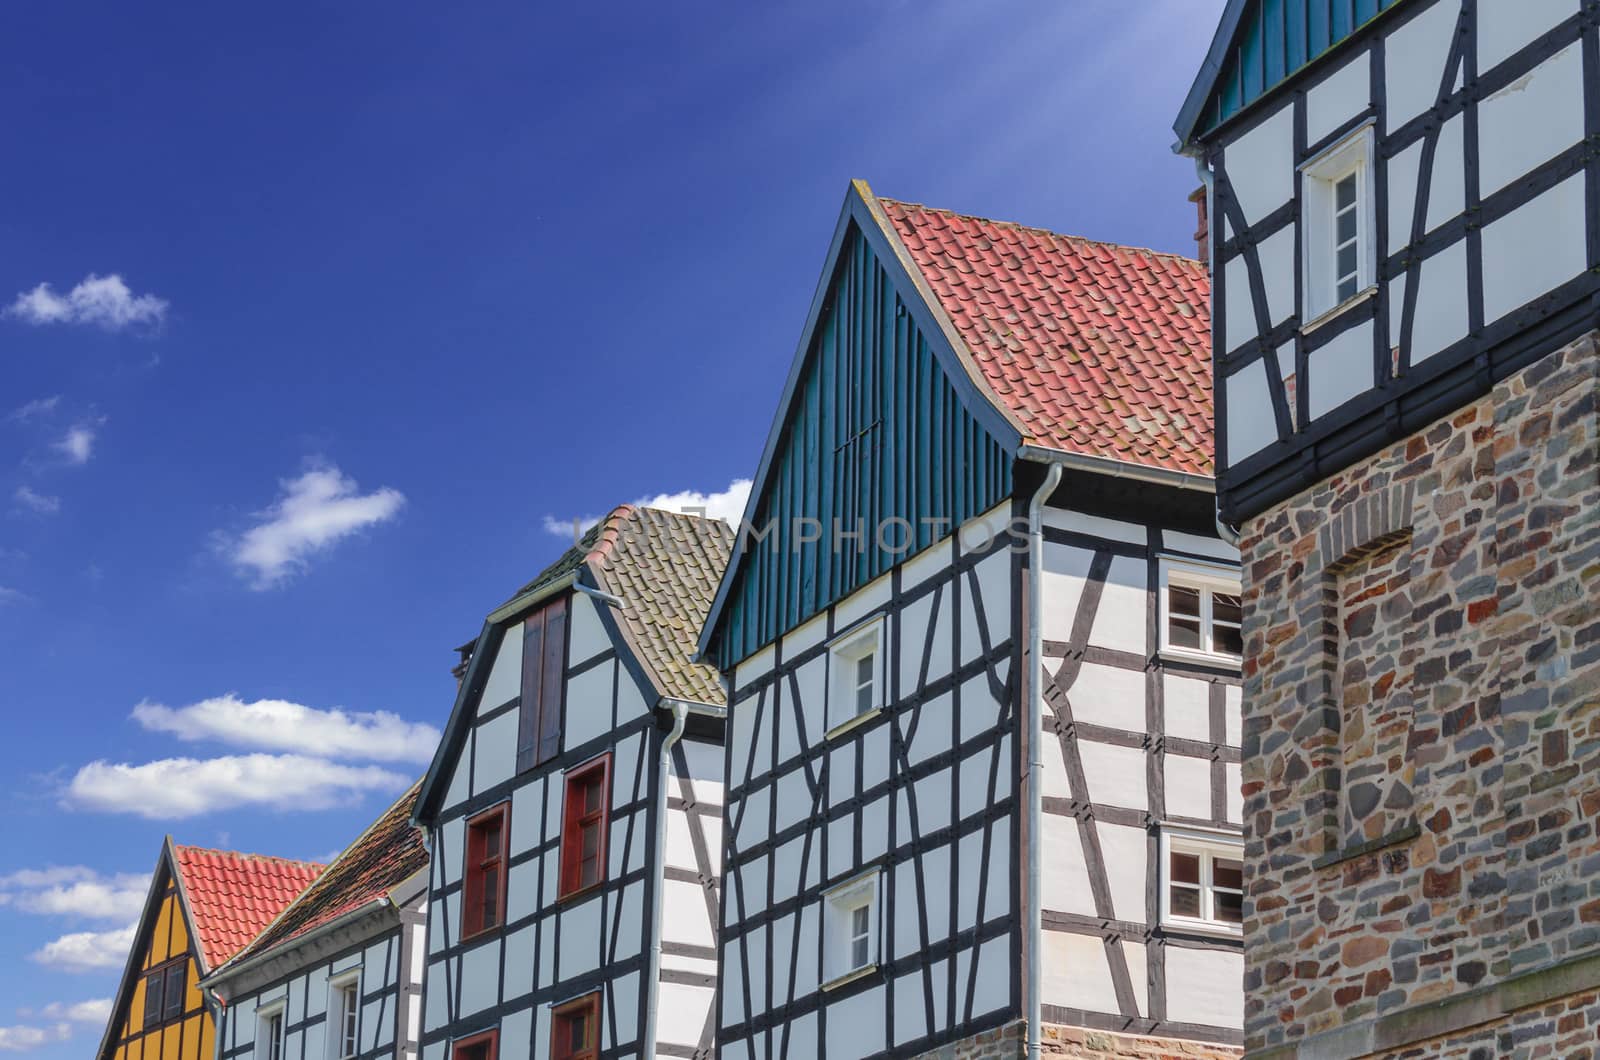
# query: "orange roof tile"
{"type": "Point", "coordinates": [232, 896]}
{"type": "Point", "coordinates": [1095, 348]}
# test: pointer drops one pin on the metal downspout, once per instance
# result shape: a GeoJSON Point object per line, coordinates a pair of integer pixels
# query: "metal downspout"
{"type": "Point", "coordinates": [1034, 986]}
{"type": "Point", "coordinates": [1209, 180]}
{"type": "Point", "coordinates": [680, 717]}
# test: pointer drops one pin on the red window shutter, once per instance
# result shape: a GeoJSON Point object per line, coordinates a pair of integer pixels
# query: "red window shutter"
{"type": "Point", "coordinates": [532, 683]}
{"type": "Point", "coordinates": [472, 884]}
{"type": "Point", "coordinates": [550, 689]}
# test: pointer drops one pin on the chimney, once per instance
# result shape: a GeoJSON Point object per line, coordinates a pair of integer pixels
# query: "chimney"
{"type": "Point", "coordinates": [459, 670]}
{"type": "Point", "coordinates": [1202, 234]}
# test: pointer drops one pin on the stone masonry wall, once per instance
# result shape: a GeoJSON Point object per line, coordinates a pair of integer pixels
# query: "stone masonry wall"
{"type": "Point", "coordinates": [1010, 1043]}
{"type": "Point", "coordinates": [1481, 701]}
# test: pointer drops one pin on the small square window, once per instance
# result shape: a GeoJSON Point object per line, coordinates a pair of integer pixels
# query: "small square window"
{"type": "Point", "coordinates": [485, 1046]}
{"type": "Point", "coordinates": [583, 828]}
{"type": "Point", "coordinates": [1337, 219]}
{"type": "Point", "coordinates": [851, 948]}
{"type": "Point", "coordinates": [857, 676]}
{"type": "Point", "coordinates": [483, 877]}
{"type": "Point", "coordinates": [1202, 614]}
{"type": "Point", "coordinates": [575, 1029]}
{"type": "Point", "coordinates": [1204, 885]}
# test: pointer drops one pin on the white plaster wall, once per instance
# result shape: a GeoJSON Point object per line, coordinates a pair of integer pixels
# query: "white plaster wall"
{"type": "Point", "coordinates": [1414, 59]}
{"type": "Point", "coordinates": [1339, 97]}
{"type": "Point", "coordinates": [1507, 26]}
{"type": "Point", "coordinates": [1250, 423]}
{"type": "Point", "coordinates": [1534, 249]}
{"type": "Point", "coordinates": [505, 672]}
{"type": "Point", "coordinates": [1205, 986]}
{"type": "Point", "coordinates": [1260, 165]}
{"type": "Point", "coordinates": [1340, 370]}
{"type": "Point", "coordinates": [1531, 120]}
{"type": "Point", "coordinates": [1441, 313]}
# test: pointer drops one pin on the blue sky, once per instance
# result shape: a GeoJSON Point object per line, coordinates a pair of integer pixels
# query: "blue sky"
{"type": "Point", "coordinates": [318, 316]}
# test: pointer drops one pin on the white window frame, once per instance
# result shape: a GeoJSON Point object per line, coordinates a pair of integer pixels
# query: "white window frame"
{"type": "Point", "coordinates": [1207, 578]}
{"type": "Point", "coordinates": [337, 1014]}
{"type": "Point", "coordinates": [1351, 156]}
{"type": "Point", "coordinates": [265, 1014]}
{"type": "Point", "coordinates": [1208, 844]}
{"type": "Point", "coordinates": [844, 652]}
{"type": "Point", "coordinates": [839, 906]}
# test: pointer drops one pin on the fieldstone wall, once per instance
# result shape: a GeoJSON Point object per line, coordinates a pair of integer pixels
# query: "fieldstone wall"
{"type": "Point", "coordinates": [1422, 732]}
{"type": "Point", "coordinates": [1010, 1043]}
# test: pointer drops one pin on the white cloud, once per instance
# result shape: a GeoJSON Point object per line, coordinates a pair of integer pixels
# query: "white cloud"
{"type": "Point", "coordinates": [187, 787]}
{"type": "Point", "coordinates": [94, 1012]}
{"type": "Point", "coordinates": [77, 445]}
{"type": "Point", "coordinates": [86, 951]}
{"type": "Point", "coordinates": [278, 725]}
{"type": "Point", "coordinates": [728, 505]}
{"type": "Point", "coordinates": [11, 596]}
{"type": "Point", "coordinates": [22, 1039]}
{"type": "Point", "coordinates": [76, 891]}
{"type": "Point", "coordinates": [42, 503]}
{"type": "Point", "coordinates": [34, 408]}
{"type": "Point", "coordinates": [104, 301]}
{"type": "Point", "coordinates": [316, 511]}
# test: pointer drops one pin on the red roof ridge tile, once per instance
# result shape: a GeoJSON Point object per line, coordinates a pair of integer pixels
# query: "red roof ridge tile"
{"type": "Point", "coordinates": [1020, 227]}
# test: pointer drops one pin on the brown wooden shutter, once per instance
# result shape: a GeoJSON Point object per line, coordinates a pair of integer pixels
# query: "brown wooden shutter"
{"type": "Point", "coordinates": [532, 682]}
{"type": "Point", "coordinates": [550, 691]}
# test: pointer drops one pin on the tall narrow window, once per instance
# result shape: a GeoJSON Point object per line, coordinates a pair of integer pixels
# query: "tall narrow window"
{"type": "Point", "coordinates": [851, 915]}
{"type": "Point", "coordinates": [1346, 237]}
{"type": "Point", "coordinates": [175, 991]}
{"type": "Point", "coordinates": [483, 878]}
{"type": "Point", "coordinates": [153, 984]}
{"type": "Point", "coordinates": [583, 829]}
{"type": "Point", "coordinates": [485, 1046]}
{"type": "Point", "coordinates": [344, 1015]}
{"type": "Point", "coordinates": [857, 668]}
{"type": "Point", "coordinates": [269, 1035]}
{"type": "Point", "coordinates": [544, 653]}
{"type": "Point", "coordinates": [1338, 262]}
{"type": "Point", "coordinates": [575, 1029]}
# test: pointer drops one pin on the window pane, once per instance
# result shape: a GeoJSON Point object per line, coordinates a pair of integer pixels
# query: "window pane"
{"type": "Point", "coordinates": [1185, 901]}
{"type": "Point", "coordinates": [1183, 601]}
{"type": "Point", "coordinates": [1344, 192]}
{"type": "Point", "coordinates": [1227, 640]}
{"type": "Point", "coordinates": [1230, 907]}
{"type": "Point", "coordinates": [1185, 868]}
{"type": "Point", "coordinates": [1184, 633]}
{"type": "Point", "coordinates": [491, 896]}
{"type": "Point", "coordinates": [860, 919]}
{"type": "Point", "coordinates": [1346, 265]}
{"type": "Point", "coordinates": [578, 1032]}
{"type": "Point", "coordinates": [152, 998]}
{"type": "Point", "coordinates": [589, 872]}
{"type": "Point", "coordinates": [1344, 228]}
{"type": "Point", "coordinates": [864, 669]}
{"type": "Point", "coordinates": [491, 838]}
{"type": "Point", "coordinates": [863, 699]}
{"type": "Point", "coordinates": [1225, 608]}
{"type": "Point", "coordinates": [593, 794]}
{"type": "Point", "coordinates": [1347, 289]}
{"type": "Point", "coordinates": [1229, 873]}
{"type": "Point", "coordinates": [174, 992]}
{"type": "Point", "coordinates": [590, 843]}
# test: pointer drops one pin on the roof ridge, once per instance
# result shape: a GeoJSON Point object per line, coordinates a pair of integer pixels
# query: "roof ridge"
{"type": "Point", "coordinates": [244, 854]}
{"type": "Point", "coordinates": [1041, 230]}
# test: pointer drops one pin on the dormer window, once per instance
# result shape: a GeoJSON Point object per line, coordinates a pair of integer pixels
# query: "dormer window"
{"type": "Point", "coordinates": [1336, 191]}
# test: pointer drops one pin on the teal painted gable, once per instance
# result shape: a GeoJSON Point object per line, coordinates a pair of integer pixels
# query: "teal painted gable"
{"type": "Point", "coordinates": [874, 434]}
{"type": "Point", "coordinates": [1259, 45]}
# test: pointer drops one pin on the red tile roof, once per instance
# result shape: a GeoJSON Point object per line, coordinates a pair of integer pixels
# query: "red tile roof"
{"type": "Point", "coordinates": [387, 854]}
{"type": "Point", "coordinates": [232, 896]}
{"type": "Point", "coordinates": [1094, 348]}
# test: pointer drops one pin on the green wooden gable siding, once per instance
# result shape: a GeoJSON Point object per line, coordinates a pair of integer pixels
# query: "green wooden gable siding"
{"type": "Point", "coordinates": [875, 433]}
{"type": "Point", "coordinates": [1270, 41]}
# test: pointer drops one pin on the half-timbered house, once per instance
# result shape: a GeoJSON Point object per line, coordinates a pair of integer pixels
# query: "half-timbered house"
{"type": "Point", "coordinates": [1405, 238]}
{"type": "Point", "coordinates": [573, 810]}
{"type": "Point", "coordinates": [202, 908]}
{"type": "Point", "coordinates": [338, 974]}
{"type": "Point", "coordinates": [982, 642]}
